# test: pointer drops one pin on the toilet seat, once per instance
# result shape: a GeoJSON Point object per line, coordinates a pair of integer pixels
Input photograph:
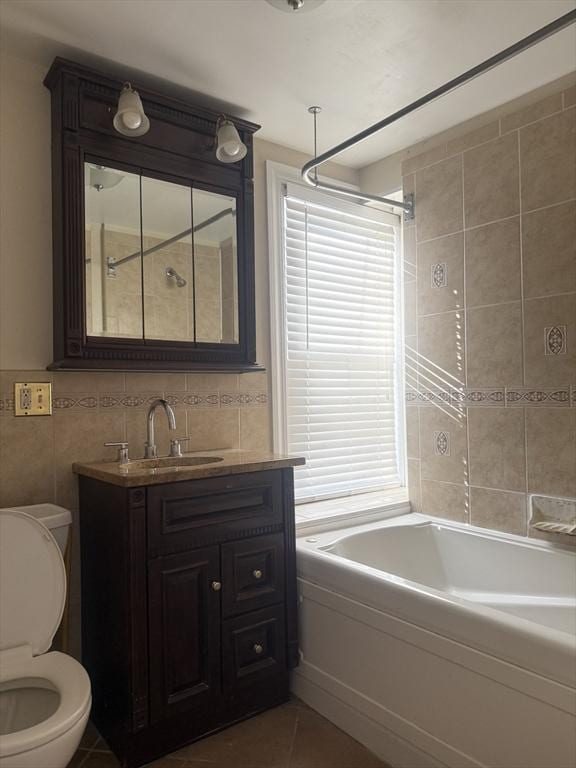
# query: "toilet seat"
{"type": "Point", "coordinates": [60, 671]}
{"type": "Point", "coordinates": [32, 597]}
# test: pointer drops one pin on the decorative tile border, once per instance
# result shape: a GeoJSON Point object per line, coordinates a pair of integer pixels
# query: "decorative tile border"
{"type": "Point", "coordinates": [243, 399]}
{"type": "Point", "coordinates": [78, 402]}
{"type": "Point", "coordinates": [484, 396]}
{"type": "Point", "coordinates": [434, 397]}
{"type": "Point", "coordinates": [495, 397]}
{"type": "Point", "coordinates": [128, 400]}
{"type": "Point", "coordinates": [7, 405]}
{"type": "Point", "coordinates": [527, 396]}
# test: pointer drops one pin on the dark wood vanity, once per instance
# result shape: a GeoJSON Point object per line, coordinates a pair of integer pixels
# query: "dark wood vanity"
{"type": "Point", "coordinates": [188, 599]}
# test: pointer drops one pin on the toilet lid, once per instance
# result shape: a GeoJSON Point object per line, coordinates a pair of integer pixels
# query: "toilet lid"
{"type": "Point", "coordinates": [32, 583]}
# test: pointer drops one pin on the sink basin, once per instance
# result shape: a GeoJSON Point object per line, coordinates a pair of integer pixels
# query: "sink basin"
{"type": "Point", "coordinates": [143, 465]}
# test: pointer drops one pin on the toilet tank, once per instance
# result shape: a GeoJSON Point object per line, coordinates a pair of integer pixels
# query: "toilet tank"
{"type": "Point", "coordinates": [57, 519]}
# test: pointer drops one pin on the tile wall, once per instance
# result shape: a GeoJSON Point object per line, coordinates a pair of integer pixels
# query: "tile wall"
{"type": "Point", "coordinates": [490, 317]}
{"type": "Point", "coordinates": [214, 410]}
{"type": "Point", "coordinates": [217, 411]}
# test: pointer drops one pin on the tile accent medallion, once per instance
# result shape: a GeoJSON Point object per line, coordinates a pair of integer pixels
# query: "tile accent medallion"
{"type": "Point", "coordinates": [555, 340]}
{"type": "Point", "coordinates": [442, 443]}
{"type": "Point", "coordinates": [439, 276]}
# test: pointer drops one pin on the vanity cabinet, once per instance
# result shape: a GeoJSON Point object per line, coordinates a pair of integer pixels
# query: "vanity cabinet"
{"type": "Point", "coordinates": [188, 605]}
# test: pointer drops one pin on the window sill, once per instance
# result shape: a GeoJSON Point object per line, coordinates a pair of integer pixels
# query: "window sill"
{"type": "Point", "coordinates": [351, 510]}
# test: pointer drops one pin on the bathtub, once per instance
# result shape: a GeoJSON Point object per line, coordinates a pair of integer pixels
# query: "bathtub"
{"type": "Point", "coordinates": [439, 644]}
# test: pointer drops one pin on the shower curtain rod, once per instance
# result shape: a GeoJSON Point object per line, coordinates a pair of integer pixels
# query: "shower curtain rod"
{"type": "Point", "coordinates": [408, 205]}
{"type": "Point", "coordinates": [203, 224]}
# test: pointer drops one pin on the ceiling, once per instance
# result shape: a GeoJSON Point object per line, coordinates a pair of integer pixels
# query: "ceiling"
{"type": "Point", "coordinates": [358, 59]}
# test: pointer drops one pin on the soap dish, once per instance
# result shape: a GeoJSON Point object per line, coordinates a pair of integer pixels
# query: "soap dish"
{"type": "Point", "coordinates": [553, 514]}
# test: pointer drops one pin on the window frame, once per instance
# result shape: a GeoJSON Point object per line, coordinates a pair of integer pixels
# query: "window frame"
{"type": "Point", "coordinates": [277, 175]}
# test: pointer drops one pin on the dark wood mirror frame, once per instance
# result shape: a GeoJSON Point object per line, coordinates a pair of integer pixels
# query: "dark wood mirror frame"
{"type": "Point", "coordinates": [179, 145]}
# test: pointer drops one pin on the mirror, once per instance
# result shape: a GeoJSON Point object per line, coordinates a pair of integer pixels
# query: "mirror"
{"type": "Point", "coordinates": [215, 267]}
{"type": "Point", "coordinates": [112, 236]}
{"type": "Point", "coordinates": [161, 259]}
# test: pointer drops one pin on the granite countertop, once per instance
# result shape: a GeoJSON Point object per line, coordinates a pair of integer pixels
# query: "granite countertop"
{"type": "Point", "coordinates": [225, 462]}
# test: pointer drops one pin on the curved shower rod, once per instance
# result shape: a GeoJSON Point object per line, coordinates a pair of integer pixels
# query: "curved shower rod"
{"type": "Point", "coordinates": [408, 205]}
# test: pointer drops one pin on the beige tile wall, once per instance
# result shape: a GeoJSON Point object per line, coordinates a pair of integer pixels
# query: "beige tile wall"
{"type": "Point", "coordinates": [36, 453]}
{"type": "Point", "coordinates": [90, 409]}
{"type": "Point", "coordinates": [490, 317]}
{"type": "Point", "coordinates": [169, 311]}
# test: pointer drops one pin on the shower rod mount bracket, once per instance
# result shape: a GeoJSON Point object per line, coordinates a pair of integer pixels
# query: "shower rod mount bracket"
{"type": "Point", "coordinates": [409, 213]}
{"type": "Point", "coordinates": [111, 266]}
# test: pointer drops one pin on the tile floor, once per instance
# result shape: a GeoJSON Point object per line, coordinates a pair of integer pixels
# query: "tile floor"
{"type": "Point", "coordinates": [290, 736]}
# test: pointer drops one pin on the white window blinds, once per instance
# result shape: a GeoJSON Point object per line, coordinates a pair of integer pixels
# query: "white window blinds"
{"type": "Point", "coordinates": [340, 345]}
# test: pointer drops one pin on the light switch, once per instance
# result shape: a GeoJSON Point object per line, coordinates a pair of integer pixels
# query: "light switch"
{"type": "Point", "coordinates": [32, 398]}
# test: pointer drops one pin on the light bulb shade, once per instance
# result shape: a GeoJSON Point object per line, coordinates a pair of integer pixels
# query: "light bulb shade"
{"type": "Point", "coordinates": [229, 146]}
{"type": "Point", "coordinates": [130, 119]}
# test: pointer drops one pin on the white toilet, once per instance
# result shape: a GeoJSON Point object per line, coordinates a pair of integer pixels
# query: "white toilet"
{"type": "Point", "coordinates": [44, 697]}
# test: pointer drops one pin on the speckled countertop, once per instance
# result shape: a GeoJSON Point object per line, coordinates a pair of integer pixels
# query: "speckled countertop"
{"type": "Point", "coordinates": [226, 462]}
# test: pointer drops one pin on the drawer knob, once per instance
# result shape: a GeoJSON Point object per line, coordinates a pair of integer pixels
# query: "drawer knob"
{"type": "Point", "coordinates": [216, 586]}
{"type": "Point", "coordinates": [257, 648]}
{"type": "Point", "coordinates": [257, 573]}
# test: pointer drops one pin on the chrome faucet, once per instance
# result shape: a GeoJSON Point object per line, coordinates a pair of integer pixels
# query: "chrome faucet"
{"type": "Point", "coordinates": [150, 451]}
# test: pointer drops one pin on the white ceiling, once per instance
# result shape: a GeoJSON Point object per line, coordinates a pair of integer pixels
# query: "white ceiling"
{"type": "Point", "coordinates": [358, 59]}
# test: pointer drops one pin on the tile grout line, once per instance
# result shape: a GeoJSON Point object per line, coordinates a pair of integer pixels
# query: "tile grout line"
{"type": "Point", "coordinates": [501, 133]}
{"type": "Point", "coordinates": [500, 303]}
{"type": "Point", "coordinates": [293, 740]}
{"type": "Point", "coordinates": [419, 479]}
{"type": "Point", "coordinates": [497, 221]}
{"type": "Point", "coordinates": [476, 485]}
{"type": "Point", "coordinates": [523, 327]}
{"type": "Point", "coordinates": [467, 494]}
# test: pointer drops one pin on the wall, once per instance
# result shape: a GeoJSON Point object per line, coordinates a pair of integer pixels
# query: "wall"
{"type": "Point", "coordinates": [36, 453]}
{"type": "Point", "coordinates": [385, 175]}
{"type": "Point", "coordinates": [490, 316]}
{"type": "Point", "coordinates": [217, 410]}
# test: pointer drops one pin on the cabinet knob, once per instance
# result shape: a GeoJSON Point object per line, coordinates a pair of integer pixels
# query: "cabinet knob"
{"type": "Point", "coordinates": [257, 573]}
{"type": "Point", "coordinates": [257, 648]}
{"type": "Point", "coordinates": [216, 586]}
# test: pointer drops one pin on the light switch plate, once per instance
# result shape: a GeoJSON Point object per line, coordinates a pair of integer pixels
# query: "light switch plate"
{"type": "Point", "coordinates": [32, 398]}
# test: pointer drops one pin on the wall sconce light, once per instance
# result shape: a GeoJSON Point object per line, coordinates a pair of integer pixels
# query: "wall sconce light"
{"type": "Point", "coordinates": [130, 119]}
{"type": "Point", "coordinates": [229, 146]}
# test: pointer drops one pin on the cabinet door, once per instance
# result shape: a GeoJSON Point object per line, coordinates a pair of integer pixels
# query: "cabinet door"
{"type": "Point", "coordinates": [184, 631]}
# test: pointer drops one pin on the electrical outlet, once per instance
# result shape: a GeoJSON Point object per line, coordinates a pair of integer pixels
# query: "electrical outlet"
{"type": "Point", "coordinates": [32, 398]}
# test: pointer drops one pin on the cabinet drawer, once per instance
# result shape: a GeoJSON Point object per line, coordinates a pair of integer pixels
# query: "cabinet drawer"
{"type": "Point", "coordinates": [254, 649]}
{"type": "Point", "coordinates": [252, 574]}
{"type": "Point", "coordinates": [200, 512]}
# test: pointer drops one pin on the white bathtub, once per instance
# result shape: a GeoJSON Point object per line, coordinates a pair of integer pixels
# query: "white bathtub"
{"type": "Point", "coordinates": [438, 644]}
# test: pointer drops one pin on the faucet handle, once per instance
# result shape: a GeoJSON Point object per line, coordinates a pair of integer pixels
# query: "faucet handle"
{"type": "Point", "coordinates": [176, 446]}
{"type": "Point", "coordinates": [122, 457]}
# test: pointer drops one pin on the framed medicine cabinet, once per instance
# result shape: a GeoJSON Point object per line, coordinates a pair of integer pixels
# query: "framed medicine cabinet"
{"type": "Point", "coordinates": [153, 233]}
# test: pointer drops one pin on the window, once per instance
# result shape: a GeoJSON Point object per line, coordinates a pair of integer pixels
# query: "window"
{"type": "Point", "coordinates": [336, 351]}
